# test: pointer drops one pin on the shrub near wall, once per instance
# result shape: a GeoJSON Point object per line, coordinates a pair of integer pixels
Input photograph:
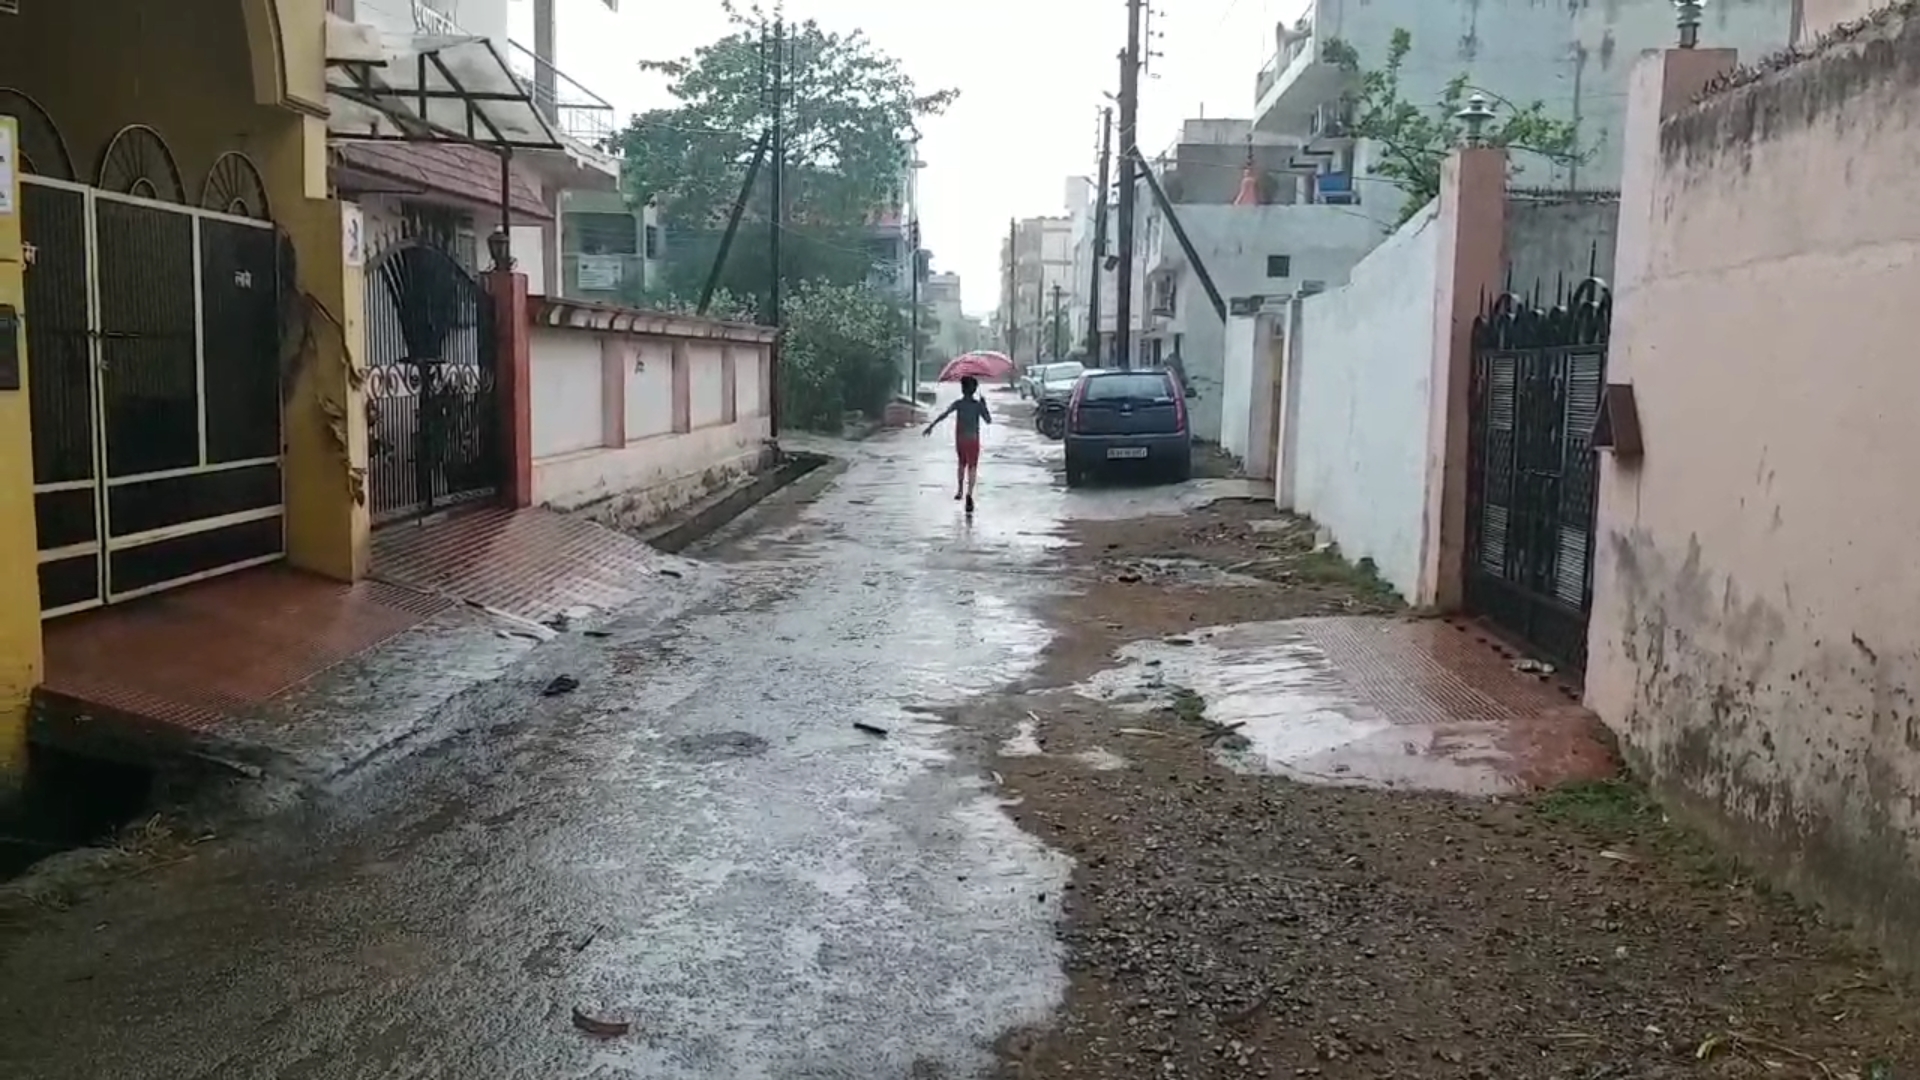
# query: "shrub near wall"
{"type": "Point", "coordinates": [839, 353]}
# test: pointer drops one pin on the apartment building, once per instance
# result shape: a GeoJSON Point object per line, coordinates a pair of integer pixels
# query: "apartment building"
{"type": "Point", "coordinates": [1036, 290]}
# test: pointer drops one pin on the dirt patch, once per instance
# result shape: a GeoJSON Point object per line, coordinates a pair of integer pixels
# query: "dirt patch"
{"type": "Point", "coordinates": [1221, 924]}
{"type": "Point", "coordinates": [1128, 594]}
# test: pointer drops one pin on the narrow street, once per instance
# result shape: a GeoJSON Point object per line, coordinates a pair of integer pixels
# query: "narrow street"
{"type": "Point", "coordinates": [885, 804]}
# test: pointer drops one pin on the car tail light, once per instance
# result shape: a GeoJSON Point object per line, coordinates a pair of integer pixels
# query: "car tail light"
{"type": "Point", "coordinates": [1179, 405]}
{"type": "Point", "coordinates": [1073, 405]}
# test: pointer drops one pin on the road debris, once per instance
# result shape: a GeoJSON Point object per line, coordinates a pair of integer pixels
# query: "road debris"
{"type": "Point", "coordinates": [600, 1027]}
{"type": "Point", "coordinates": [871, 729]}
{"type": "Point", "coordinates": [561, 684]}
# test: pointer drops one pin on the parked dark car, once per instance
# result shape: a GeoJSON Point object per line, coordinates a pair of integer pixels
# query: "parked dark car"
{"type": "Point", "coordinates": [1132, 422]}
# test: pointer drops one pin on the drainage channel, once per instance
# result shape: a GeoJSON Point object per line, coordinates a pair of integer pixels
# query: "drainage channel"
{"type": "Point", "coordinates": [68, 801]}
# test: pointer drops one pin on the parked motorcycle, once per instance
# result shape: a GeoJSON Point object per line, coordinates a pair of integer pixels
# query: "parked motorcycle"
{"type": "Point", "coordinates": [1050, 419]}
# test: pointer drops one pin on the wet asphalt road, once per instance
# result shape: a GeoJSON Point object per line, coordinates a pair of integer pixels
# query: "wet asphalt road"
{"type": "Point", "coordinates": [698, 840]}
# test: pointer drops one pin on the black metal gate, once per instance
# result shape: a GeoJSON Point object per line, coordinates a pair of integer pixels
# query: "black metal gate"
{"type": "Point", "coordinates": [432, 413]}
{"type": "Point", "coordinates": [1536, 384]}
{"type": "Point", "coordinates": [154, 341]}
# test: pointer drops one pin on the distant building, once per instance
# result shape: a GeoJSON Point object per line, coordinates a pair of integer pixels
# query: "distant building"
{"type": "Point", "coordinates": [1042, 263]}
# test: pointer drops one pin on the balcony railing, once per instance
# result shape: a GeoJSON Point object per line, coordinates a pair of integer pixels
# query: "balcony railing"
{"type": "Point", "coordinates": [570, 107]}
{"type": "Point", "coordinates": [1277, 65]}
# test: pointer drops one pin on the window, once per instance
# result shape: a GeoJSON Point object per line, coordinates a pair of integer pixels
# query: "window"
{"type": "Point", "coordinates": [1279, 266]}
{"type": "Point", "coordinates": [1142, 386]}
{"type": "Point", "coordinates": [653, 242]}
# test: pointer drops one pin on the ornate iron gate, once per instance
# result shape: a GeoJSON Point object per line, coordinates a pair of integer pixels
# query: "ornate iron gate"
{"type": "Point", "coordinates": [154, 343]}
{"type": "Point", "coordinates": [1536, 383]}
{"type": "Point", "coordinates": [432, 413]}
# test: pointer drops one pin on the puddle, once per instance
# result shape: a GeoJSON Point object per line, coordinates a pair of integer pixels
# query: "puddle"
{"type": "Point", "coordinates": [1025, 741]}
{"type": "Point", "coordinates": [1191, 573]}
{"type": "Point", "coordinates": [1100, 759]}
{"type": "Point", "coordinates": [1300, 718]}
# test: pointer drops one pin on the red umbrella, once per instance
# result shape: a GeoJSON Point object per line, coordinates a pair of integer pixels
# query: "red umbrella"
{"type": "Point", "coordinates": [980, 365]}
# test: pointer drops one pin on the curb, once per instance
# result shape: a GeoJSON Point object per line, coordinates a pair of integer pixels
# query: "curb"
{"type": "Point", "coordinates": [717, 514]}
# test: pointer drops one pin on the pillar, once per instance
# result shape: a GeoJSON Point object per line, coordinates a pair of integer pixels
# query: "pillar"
{"type": "Point", "coordinates": [21, 658]}
{"type": "Point", "coordinates": [325, 406]}
{"type": "Point", "coordinates": [1472, 224]}
{"type": "Point", "coordinates": [513, 381]}
{"type": "Point", "coordinates": [1660, 85]}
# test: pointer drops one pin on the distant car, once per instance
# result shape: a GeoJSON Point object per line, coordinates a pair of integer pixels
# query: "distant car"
{"type": "Point", "coordinates": [1040, 376]}
{"type": "Point", "coordinates": [1058, 379]}
{"type": "Point", "coordinates": [1132, 422]}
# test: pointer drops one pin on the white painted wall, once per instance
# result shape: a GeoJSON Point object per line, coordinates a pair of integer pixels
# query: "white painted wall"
{"type": "Point", "coordinates": [706, 380]}
{"type": "Point", "coordinates": [657, 469]}
{"type": "Point", "coordinates": [567, 382]}
{"type": "Point", "coordinates": [1236, 391]}
{"type": "Point", "coordinates": [1365, 360]}
{"type": "Point", "coordinates": [1322, 244]}
{"type": "Point", "coordinates": [650, 391]}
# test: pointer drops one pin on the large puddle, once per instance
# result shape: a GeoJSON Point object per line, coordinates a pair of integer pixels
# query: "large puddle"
{"type": "Point", "coordinates": [1300, 718]}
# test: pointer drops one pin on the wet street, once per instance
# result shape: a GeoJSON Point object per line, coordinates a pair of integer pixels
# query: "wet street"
{"type": "Point", "coordinates": [699, 841]}
{"type": "Point", "coordinates": [1120, 782]}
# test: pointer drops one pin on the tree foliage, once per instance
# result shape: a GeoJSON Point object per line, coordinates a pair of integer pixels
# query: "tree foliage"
{"type": "Point", "coordinates": [1413, 140]}
{"type": "Point", "coordinates": [850, 110]}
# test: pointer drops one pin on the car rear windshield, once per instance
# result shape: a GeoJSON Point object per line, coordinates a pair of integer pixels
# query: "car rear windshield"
{"type": "Point", "coordinates": [1141, 387]}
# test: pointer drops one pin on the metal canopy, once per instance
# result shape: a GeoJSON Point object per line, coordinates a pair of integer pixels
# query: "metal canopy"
{"type": "Point", "coordinates": [425, 87]}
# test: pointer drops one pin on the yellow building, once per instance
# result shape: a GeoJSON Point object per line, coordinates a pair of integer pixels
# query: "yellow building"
{"type": "Point", "coordinates": [179, 393]}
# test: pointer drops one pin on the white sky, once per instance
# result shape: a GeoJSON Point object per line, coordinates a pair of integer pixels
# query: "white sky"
{"type": "Point", "coordinates": [1030, 75]}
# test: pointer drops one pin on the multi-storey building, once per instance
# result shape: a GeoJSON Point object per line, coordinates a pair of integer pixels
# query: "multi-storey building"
{"type": "Point", "coordinates": [1573, 58]}
{"type": "Point", "coordinates": [1035, 290]}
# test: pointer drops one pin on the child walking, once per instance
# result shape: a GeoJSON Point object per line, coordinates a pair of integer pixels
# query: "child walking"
{"type": "Point", "coordinates": [968, 413]}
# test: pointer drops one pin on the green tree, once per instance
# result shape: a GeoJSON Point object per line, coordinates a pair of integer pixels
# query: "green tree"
{"type": "Point", "coordinates": [841, 351]}
{"type": "Point", "coordinates": [850, 111]}
{"type": "Point", "coordinates": [1413, 140]}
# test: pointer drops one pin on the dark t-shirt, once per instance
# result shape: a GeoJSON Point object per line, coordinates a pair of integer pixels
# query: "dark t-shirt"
{"type": "Point", "coordinates": [968, 414]}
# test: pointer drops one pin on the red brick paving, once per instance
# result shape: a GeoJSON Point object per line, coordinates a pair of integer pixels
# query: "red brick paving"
{"type": "Point", "coordinates": [532, 563]}
{"type": "Point", "coordinates": [1457, 683]}
{"type": "Point", "coordinates": [196, 654]}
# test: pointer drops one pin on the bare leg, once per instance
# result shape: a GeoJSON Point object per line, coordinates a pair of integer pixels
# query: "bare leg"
{"type": "Point", "coordinates": [959, 480]}
{"type": "Point", "coordinates": [973, 479]}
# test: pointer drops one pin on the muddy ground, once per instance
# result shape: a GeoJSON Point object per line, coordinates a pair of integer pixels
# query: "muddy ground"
{"type": "Point", "coordinates": [1230, 925]}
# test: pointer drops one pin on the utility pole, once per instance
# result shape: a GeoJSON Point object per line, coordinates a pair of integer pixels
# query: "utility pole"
{"type": "Point", "coordinates": [1129, 118]}
{"type": "Point", "coordinates": [1013, 292]}
{"type": "Point", "coordinates": [1040, 314]}
{"type": "Point", "coordinates": [777, 149]}
{"type": "Point", "coordinates": [1099, 242]}
{"type": "Point", "coordinates": [1058, 326]}
{"type": "Point", "coordinates": [913, 304]}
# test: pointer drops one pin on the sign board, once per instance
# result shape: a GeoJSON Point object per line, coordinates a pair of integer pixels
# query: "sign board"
{"type": "Point", "coordinates": [599, 273]}
{"type": "Point", "coordinates": [9, 129]}
{"type": "Point", "coordinates": [353, 235]}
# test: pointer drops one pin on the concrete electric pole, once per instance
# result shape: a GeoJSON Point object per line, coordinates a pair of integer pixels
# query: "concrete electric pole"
{"type": "Point", "coordinates": [1129, 119]}
{"type": "Point", "coordinates": [1013, 293]}
{"type": "Point", "coordinates": [1058, 327]}
{"type": "Point", "coordinates": [1095, 355]}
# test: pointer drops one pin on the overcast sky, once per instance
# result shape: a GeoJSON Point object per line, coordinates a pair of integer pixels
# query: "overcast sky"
{"type": "Point", "coordinates": [1030, 75]}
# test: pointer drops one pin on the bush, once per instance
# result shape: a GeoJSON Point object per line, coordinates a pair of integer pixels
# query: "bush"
{"type": "Point", "coordinates": [840, 353]}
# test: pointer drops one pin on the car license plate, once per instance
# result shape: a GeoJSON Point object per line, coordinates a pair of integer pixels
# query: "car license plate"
{"type": "Point", "coordinates": [1127, 452]}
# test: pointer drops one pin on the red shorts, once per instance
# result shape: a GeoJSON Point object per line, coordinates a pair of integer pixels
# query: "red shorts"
{"type": "Point", "coordinates": [969, 451]}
